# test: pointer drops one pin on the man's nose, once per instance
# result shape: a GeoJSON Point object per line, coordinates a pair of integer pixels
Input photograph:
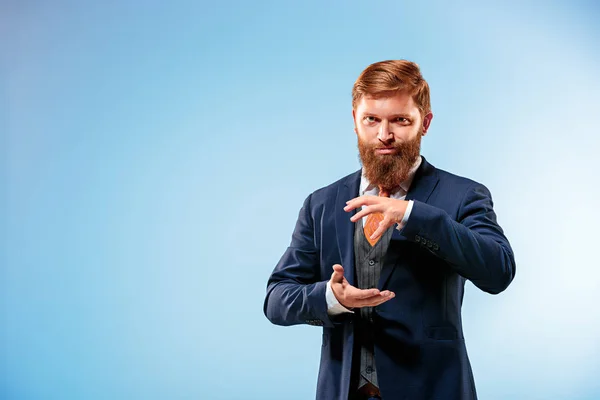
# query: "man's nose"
{"type": "Point", "coordinates": [384, 133]}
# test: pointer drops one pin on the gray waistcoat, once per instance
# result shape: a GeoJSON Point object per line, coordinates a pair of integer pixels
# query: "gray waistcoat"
{"type": "Point", "coordinates": [368, 262]}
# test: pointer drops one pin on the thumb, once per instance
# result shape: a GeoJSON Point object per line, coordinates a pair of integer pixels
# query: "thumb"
{"type": "Point", "coordinates": [338, 274]}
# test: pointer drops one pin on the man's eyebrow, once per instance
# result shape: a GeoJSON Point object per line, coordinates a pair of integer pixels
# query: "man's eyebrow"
{"type": "Point", "coordinates": [391, 116]}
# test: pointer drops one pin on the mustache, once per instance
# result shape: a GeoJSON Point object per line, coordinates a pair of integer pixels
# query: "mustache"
{"type": "Point", "coordinates": [398, 149]}
{"type": "Point", "coordinates": [376, 146]}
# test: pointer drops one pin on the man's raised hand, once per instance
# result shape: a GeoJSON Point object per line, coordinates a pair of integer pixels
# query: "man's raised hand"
{"type": "Point", "coordinates": [393, 211]}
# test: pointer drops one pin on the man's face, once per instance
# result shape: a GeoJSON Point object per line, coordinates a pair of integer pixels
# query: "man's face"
{"type": "Point", "coordinates": [389, 131]}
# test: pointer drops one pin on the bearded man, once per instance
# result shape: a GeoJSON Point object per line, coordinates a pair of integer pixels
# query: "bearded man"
{"type": "Point", "coordinates": [380, 258]}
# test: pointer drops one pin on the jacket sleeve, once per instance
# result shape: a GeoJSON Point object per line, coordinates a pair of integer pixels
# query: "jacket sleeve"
{"type": "Point", "coordinates": [295, 293]}
{"type": "Point", "coordinates": [474, 245]}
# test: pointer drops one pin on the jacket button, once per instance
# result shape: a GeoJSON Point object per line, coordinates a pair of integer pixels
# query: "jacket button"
{"type": "Point", "coordinates": [436, 247]}
{"type": "Point", "coordinates": [417, 238]}
{"type": "Point", "coordinates": [371, 262]}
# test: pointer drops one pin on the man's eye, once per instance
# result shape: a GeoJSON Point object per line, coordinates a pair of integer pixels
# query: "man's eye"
{"type": "Point", "coordinates": [370, 119]}
{"type": "Point", "coordinates": [402, 120]}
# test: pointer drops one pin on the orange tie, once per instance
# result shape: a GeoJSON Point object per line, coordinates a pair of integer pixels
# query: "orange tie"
{"type": "Point", "coordinates": [373, 220]}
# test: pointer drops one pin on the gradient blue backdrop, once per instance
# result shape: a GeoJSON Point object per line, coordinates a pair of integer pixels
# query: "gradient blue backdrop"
{"type": "Point", "coordinates": [145, 144]}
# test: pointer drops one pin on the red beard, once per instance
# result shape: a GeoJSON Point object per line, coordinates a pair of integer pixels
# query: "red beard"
{"type": "Point", "coordinates": [388, 171]}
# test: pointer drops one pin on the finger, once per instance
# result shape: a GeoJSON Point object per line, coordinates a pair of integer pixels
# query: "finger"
{"type": "Point", "coordinates": [383, 226]}
{"type": "Point", "coordinates": [369, 301]}
{"type": "Point", "coordinates": [365, 211]}
{"type": "Point", "coordinates": [338, 268]}
{"type": "Point", "coordinates": [355, 294]}
{"type": "Point", "coordinates": [376, 300]}
{"type": "Point", "coordinates": [360, 201]}
{"type": "Point", "coordinates": [338, 274]}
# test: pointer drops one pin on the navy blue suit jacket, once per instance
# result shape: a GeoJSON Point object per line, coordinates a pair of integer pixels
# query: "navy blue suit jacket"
{"type": "Point", "coordinates": [451, 236]}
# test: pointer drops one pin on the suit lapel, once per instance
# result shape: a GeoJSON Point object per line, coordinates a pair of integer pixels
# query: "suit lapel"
{"type": "Point", "coordinates": [423, 184]}
{"type": "Point", "coordinates": [344, 227]}
{"type": "Point", "coordinates": [425, 180]}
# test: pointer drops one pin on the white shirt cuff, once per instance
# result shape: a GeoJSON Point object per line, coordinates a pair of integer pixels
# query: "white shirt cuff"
{"type": "Point", "coordinates": [406, 215]}
{"type": "Point", "coordinates": [333, 305]}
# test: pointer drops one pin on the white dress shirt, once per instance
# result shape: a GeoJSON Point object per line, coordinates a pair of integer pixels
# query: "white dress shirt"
{"type": "Point", "coordinates": [367, 189]}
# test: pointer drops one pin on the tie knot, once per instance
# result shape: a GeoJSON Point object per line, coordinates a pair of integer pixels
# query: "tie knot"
{"type": "Point", "coordinates": [383, 192]}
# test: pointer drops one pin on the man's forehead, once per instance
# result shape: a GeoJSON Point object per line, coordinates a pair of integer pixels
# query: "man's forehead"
{"type": "Point", "coordinates": [395, 102]}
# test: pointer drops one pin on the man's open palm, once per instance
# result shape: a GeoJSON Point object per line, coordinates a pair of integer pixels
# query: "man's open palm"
{"type": "Point", "coordinates": [352, 297]}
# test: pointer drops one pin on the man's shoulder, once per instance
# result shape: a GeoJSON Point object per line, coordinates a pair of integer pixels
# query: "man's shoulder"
{"type": "Point", "coordinates": [457, 182]}
{"type": "Point", "coordinates": [454, 178]}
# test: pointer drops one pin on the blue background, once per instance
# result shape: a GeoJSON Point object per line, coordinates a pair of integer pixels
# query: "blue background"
{"type": "Point", "coordinates": [154, 159]}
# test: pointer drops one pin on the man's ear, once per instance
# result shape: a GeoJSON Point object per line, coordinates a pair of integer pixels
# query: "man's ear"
{"type": "Point", "coordinates": [427, 122]}
{"type": "Point", "coordinates": [354, 119]}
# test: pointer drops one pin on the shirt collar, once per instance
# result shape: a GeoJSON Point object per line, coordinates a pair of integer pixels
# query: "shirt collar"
{"type": "Point", "coordinates": [367, 188]}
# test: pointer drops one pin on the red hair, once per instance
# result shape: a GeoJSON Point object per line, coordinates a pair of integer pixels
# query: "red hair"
{"type": "Point", "coordinates": [385, 77]}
